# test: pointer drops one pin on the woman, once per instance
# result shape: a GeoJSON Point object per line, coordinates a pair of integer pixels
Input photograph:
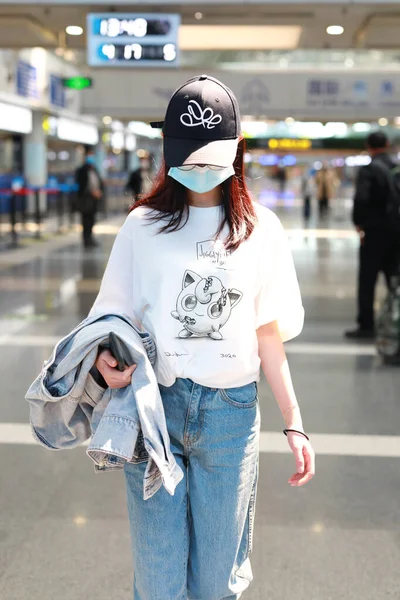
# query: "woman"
{"type": "Point", "coordinates": [209, 274]}
{"type": "Point", "coordinates": [327, 184]}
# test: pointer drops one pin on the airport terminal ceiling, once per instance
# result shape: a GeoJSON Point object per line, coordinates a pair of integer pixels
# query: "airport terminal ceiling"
{"type": "Point", "coordinates": [291, 26]}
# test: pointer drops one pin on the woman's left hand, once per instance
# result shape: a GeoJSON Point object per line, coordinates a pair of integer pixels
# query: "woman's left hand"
{"type": "Point", "coordinates": [305, 459]}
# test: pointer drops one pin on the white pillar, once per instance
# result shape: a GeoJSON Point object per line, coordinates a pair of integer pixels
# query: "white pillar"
{"type": "Point", "coordinates": [101, 155]}
{"type": "Point", "coordinates": [35, 153]}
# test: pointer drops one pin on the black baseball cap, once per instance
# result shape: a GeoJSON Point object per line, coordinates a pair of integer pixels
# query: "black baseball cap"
{"type": "Point", "coordinates": [202, 124]}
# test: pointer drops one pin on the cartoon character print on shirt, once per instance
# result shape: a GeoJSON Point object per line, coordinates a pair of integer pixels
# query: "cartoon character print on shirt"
{"type": "Point", "coordinates": [204, 306]}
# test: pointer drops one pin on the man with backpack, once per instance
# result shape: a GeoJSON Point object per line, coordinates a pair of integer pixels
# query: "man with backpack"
{"type": "Point", "coordinates": [376, 215]}
{"type": "Point", "coordinates": [90, 193]}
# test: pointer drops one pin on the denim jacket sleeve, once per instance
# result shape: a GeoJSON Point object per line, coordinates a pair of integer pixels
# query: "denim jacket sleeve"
{"type": "Point", "coordinates": [62, 423]}
{"type": "Point", "coordinates": [66, 398]}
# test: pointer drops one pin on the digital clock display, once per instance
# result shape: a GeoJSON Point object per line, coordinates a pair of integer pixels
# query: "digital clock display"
{"type": "Point", "coordinates": [135, 27]}
{"type": "Point", "coordinates": [127, 40]}
{"type": "Point", "coordinates": [138, 52]}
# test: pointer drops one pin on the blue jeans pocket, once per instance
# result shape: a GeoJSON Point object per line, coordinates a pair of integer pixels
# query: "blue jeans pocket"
{"type": "Point", "coordinates": [245, 396]}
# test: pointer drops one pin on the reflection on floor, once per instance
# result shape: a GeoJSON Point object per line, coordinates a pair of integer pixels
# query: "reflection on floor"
{"type": "Point", "coordinates": [63, 529]}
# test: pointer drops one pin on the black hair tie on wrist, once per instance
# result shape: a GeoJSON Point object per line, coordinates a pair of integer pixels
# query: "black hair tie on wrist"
{"type": "Point", "coordinates": [285, 431]}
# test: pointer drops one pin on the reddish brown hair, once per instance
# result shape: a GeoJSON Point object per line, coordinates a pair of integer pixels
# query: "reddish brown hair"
{"type": "Point", "coordinates": [168, 198]}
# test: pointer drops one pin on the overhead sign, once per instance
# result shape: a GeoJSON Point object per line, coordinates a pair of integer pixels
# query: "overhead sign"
{"type": "Point", "coordinates": [49, 125]}
{"type": "Point", "coordinates": [77, 131]}
{"type": "Point", "coordinates": [133, 40]}
{"type": "Point", "coordinates": [57, 92]}
{"type": "Point", "coordinates": [27, 84]}
{"type": "Point", "coordinates": [15, 118]}
{"type": "Point", "coordinates": [77, 83]}
{"type": "Point", "coordinates": [289, 144]}
{"type": "Point", "coordinates": [334, 98]}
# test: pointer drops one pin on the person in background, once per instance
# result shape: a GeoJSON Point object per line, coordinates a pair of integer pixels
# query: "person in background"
{"type": "Point", "coordinates": [307, 191]}
{"type": "Point", "coordinates": [137, 178]}
{"type": "Point", "coordinates": [134, 185]}
{"type": "Point", "coordinates": [327, 184]}
{"type": "Point", "coordinates": [379, 244]}
{"type": "Point", "coordinates": [281, 176]}
{"type": "Point", "coordinates": [90, 193]}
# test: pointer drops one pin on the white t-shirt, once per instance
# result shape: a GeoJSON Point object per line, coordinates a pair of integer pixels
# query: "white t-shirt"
{"type": "Point", "coordinates": [202, 305]}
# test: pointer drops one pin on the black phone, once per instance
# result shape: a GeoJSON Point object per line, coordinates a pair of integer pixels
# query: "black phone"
{"type": "Point", "coordinates": [119, 351]}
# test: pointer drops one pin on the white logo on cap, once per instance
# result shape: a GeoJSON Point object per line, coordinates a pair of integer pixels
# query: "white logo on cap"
{"type": "Point", "coordinates": [205, 117]}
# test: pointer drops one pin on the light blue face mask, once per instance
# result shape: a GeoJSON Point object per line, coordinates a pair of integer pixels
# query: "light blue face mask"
{"type": "Point", "coordinates": [90, 160]}
{"type": "Point", "coordinates": [201, 179]}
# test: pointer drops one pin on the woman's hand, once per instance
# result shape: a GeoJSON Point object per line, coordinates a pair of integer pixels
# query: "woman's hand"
{"type": "Point", "coordinates": [305, 459]}
{"type": "Point", "coordinates": [115, 379]}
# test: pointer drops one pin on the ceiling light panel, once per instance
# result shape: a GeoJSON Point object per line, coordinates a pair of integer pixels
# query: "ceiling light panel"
{"type": "Point", "coordinates": [335, 30]}
{"type": "Point", "coordinates": [238, 37]}
{"type": "Point", "coordinates": [74, 30]}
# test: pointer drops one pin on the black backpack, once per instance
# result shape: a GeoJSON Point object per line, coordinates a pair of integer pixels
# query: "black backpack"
{"type": "Point", "coordinates": [393, 201]}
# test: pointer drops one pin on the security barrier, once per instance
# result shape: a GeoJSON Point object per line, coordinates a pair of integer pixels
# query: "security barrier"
{"type": "Point", "coordinates": [26, 210]}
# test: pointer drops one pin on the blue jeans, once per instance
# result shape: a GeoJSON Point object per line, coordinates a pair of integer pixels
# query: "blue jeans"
{"type": "Point", "coordinates": [196, 544]}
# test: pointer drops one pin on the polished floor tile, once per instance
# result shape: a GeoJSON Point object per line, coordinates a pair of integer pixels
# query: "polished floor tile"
{"type": "Point", "coordinates": [63, 528]}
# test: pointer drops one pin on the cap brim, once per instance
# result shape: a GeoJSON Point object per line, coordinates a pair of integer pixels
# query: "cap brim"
{"type": "Point", "coordinates": [219, 153]}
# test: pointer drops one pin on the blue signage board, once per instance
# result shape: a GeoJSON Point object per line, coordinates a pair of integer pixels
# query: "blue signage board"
{"type": "Point", "coordinates": [133, 40]}
{"type": "Point", "coordinates": [52, 182]}
{"type": "Point", "coordinates": [27, 80]}
{"type": "Point", "coordinates": [17, 183]}
{"type": "Point", "coordinates": [57, 91]}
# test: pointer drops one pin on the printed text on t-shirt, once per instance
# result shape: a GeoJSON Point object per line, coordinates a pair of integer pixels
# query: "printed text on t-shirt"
{"type": "Point", "coordinates": [212, 251]}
